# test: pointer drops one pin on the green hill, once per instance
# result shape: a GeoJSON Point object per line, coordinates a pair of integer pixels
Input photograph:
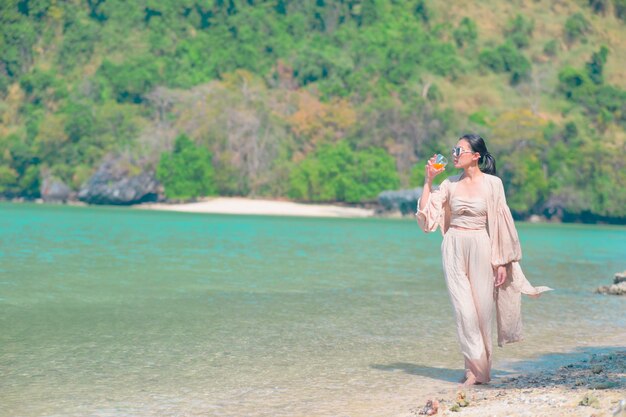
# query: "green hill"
{"type": "Point", "coordinates": [317, 100]}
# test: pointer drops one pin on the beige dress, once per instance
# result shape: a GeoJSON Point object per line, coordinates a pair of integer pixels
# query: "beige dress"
{"type": "Point", "coordinates": [486, 240]}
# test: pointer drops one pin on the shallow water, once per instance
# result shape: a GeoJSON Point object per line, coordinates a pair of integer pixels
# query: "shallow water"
{"type": "Point", "coordinates": [108, 311]}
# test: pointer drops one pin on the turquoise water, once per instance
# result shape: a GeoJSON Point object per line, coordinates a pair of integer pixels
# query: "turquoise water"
{"type": "Point", "coordinates": [110, 312]}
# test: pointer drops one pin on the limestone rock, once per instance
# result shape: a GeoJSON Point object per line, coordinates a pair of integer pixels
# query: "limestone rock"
{"type": "Point", "coordinates": [403, 201]}
{"type": "Point", "coordinates": [55, 190]}
{"type": "Point", "coordinates": [118, 182]}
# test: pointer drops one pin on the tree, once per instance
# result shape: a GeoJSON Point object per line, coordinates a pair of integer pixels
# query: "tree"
{"type": "Point", "coordinates": [17, 36]}
{"type": "Point", "coordinates": [19, 168]}
{"type": "Point", "coordinates": [187, 171]}
{"type": "Point", "coordinates": [8, 180]}
{"type": "Point", "coordinates": [595, 67]}
{"type": "Point", "coordinates": [506, 58]}
{"type": "Point", "coordinates": [526, 182]}
{"type": "Point", "coordinates": [599, 6]}
{"type": "Point", "coordinates": [519, 31]}
{"type": "Point", "coordinates": [620, 9]}
{"type": "Point", "coordinates": [574, 83]}
{"type": "Point", "coordinates": [576, 26]}
{"type": "Point", "coordinates": [337, 173]}
{"type": "Point", "coordinates": [466, 33]}
{"type": "Point", "coordinates": [78, 44]}
{"type": "Point", "coordinates": [605, 103]}
{"type": "Point", "coordinates": [131, 80]}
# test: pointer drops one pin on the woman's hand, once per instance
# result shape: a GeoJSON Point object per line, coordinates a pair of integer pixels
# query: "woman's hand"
{"type": "Point", "coordinates": [500, 275]}
{"type": "Point", "coordinates": [431, 171]}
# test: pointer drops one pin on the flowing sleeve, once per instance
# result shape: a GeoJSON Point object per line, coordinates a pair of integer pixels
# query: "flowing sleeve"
{"type": "Point", "coordinates": [505, 246]}
{"type": "Point", "coordinates": [432, 216]}
{"type": "Point", "coordinates": [506, 250]}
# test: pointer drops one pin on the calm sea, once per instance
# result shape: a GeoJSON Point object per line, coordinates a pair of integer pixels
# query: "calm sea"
{"type": "Point", "coordinates": [122, 312]}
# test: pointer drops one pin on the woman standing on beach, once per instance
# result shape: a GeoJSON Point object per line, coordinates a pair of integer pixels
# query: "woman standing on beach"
{"type": "Point", "coordinates": [480, 252]}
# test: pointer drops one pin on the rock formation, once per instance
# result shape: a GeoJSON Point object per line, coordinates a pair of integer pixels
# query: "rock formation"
{"type": "Point", "coordinates": [618, 287]}
{"type": "Point", "coordinates": [55, 191]}
{"type": "Point", "coordinates": [403, 201]}
{"type": "Point", "coordinates": [118, 182]}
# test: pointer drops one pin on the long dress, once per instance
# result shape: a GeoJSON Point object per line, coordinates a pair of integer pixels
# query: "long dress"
{"type": "Point", "coordinates": [470, 255]}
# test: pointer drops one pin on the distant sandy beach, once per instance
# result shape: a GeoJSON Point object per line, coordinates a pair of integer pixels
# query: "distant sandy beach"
{"type": "Point", "coordinates": [236, 205]}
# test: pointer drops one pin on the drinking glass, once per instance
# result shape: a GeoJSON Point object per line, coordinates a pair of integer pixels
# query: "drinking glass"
{"type": "Point", "coordinates": [440, 161]}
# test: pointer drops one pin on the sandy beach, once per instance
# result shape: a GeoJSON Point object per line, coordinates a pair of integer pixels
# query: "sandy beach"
{"type": "Point", "coordinates": [248, 206]}
{"type": "Point", "coordinates": [595, 386]}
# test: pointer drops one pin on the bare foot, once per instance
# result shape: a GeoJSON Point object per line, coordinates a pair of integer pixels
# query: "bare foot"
{"type": "Point", "coordinates": [470, 379]}
{"type": "Point", "coordinates": [465, 376]}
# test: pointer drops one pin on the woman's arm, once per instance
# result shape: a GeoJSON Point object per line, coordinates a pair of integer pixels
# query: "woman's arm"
{"type": "Point", "coordinates": [430, 206]}
{"type": "Point", "coordinates": [431, 172]}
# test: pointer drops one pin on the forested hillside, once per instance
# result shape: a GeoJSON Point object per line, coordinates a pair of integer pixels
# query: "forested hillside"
{"type": "Point", "coordinates": [321, 100]}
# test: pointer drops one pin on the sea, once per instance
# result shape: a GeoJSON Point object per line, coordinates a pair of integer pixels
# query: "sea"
{"type": "Point", "coordinates": [113, 311]}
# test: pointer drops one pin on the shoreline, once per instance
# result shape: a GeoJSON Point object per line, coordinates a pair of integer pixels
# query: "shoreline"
{"type": "Point", "coordinates": [277, 207]}
{"type": "Point", "coordinates": [260, 207]}
{"type": "Point", "coordinates": [593, 385]}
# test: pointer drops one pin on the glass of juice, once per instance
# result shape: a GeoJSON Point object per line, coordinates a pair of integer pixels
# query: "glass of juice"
{"type": "Point", "coordinates": [440, 161]}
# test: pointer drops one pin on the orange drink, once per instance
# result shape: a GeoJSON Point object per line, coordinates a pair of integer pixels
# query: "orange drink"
{"type": "Point", "coordinates": [439, 162]}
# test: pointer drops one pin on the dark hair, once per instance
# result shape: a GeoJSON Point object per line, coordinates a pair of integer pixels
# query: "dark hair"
{"type": "Point", "coordinates": [486, 163]}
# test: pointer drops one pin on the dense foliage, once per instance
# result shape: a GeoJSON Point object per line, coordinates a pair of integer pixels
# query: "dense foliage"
{"type": "Point", "coordinates": [337, 173]}
{"type": "Point", "coordinates": [186, 172]}
{"type": "Point", "coordinates": [327, 100]}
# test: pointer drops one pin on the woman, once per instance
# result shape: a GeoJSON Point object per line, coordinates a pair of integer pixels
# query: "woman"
{"type": "Point", "coordinates": [480, 252]}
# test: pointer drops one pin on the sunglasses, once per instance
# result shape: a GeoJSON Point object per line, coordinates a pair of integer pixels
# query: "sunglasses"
{"type": "Point", "coordinates": [458, 151]}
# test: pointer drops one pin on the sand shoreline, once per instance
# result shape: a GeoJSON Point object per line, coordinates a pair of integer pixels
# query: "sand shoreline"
{"type": "Point", "coordinates": [267, 207]}
{"type": "Point", "coordinates": [592, 386]}
{"type": "Point", "coordinates": [248, 206]}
